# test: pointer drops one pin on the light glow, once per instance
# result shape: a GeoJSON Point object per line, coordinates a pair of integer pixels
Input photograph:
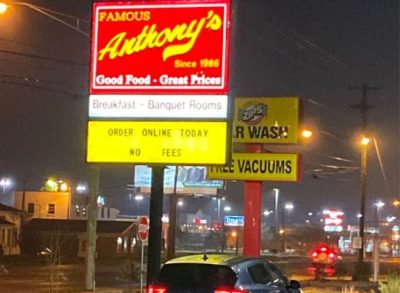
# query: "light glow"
{"type": "Point", "coordinates": [306, 133]}
{"type": "Point", "coordinates": [365, 141]}
{"type": "Point", "coordinates": [3, 8]}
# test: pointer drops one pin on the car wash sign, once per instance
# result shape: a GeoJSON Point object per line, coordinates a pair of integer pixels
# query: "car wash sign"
{"type": "Point", "coordinates": [259, 167]}
{"type": "Point", "coordinates": [266, 120]}
{"type": "Point", "coordinates": [160, 47]}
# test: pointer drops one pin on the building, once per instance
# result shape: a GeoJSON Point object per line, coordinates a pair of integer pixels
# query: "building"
{"type": "Point", "coordinates": [53, 223]}
{"type": "Point", "coordinates": [10, 229]}
{"type": "Point", "coordinates": [44, 204]}
{"type": "Point", "coordinates": [57, 205]}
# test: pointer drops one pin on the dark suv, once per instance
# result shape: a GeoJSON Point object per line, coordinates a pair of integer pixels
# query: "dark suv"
{"type": "Point", "coordinates": [221, 273]}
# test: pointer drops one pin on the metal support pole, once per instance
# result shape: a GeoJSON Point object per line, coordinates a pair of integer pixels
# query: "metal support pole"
{"type": "Point", "coordinates": [91, 226]}
{"type": "Point", "coordinates": [252, 211]}
{"type": "Point", "coordinates": [283, 232]}
{"type": "Point", "coordinates": [156, 209]}
{"type": "Point", "coordinates": [172, 220]}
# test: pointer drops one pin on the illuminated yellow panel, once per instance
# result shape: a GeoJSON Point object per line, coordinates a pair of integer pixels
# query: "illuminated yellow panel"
{"type": "Point", "coordinates": [172, 142]}
{"type": "Point", "coordinates": [266, 120]}
{"type": "Point", "coordinates": [258, 166]}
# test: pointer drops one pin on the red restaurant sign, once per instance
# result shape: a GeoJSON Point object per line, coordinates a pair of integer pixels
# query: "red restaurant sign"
{"type": "Point", "coordinates": [160, 47]}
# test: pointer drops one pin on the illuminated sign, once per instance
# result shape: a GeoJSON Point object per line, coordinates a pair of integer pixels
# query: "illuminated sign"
{"type": "Point", "coordinates": [158, 106]}
{"type": "Point", "coordinates": [266, 120]}
{"type": "Point", "coordinates": [189, 180]}
{"type": "Point", "coordinates": [174, 142]}
{"type": "Point", "coordinates": [160, 47]}
{"type": "Point", "coordinates": [234, 221]}
{"type": "Point", "coordinates": [258, 166]}
{"type": "Point", "coordinates": [333, 220]}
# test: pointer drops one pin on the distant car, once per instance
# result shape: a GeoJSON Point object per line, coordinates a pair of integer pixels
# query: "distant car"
{"type": "Point", "coordinates": [324, 259]}
{"type": "Point", "coordinates": [221, 273]}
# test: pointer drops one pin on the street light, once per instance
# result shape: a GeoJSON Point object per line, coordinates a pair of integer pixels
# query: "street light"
{"type": "Point", "coordinates": [378, 205]}
{"type": "Point", "coordinates": [218, 199]}
{"type": "Point", "coordinates": [5, 182]}
{"type": "Point", "coordinates": [267, 212]}
{"type": "Point", "coordinates": [276, 192]}
{"type": "Point", "coordinates": [288, 207]}
{"type": "Point", "coordinates": [55, 15]}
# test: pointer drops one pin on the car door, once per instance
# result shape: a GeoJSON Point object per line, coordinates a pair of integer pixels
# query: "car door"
{"type": "Point", "coordinates": [263, 279]}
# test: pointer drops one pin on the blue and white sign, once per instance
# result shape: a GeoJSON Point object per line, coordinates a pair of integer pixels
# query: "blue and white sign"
{"type": "Point", "coordinates": [234, 221]}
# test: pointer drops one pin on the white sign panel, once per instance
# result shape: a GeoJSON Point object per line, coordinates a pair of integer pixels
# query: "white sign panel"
{"type": "Point", "coordinates": [190, 179]}
{"type": "Point", "coordinates": [160, 106]}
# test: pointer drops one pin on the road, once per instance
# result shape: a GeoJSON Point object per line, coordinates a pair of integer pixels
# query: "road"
{"type": "Point", "coordinates": [109, 278]}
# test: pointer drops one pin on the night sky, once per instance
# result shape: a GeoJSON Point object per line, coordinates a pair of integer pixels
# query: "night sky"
{"type": "Point", "coordinates": [315, 49]}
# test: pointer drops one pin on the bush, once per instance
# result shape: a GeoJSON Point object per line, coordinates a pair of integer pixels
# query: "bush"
{"type": "Point", "coordinates": [130, 269]}
{"type": "Point", "coordinates": [362, 272]}
{"type": "Point", "coordinates": [392, 285]}
{"type": "Point", "coordinates": [342, 269]}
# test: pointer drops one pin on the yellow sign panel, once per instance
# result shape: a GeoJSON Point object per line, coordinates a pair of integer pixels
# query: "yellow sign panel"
{"type": "Point", "coordinates": [258, 166]}
{"type": "Point", "coordinates": [173, 142]}
{"type": "Point", "coordinates": [266, 120]}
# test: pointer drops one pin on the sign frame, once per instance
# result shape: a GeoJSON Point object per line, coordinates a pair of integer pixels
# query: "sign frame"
{"type": "Point", "coordinates": [144, 31]}
{"type": "Point", "coordinates": [134, 142]}
{"type": "Point", "coordinates": [266, 120]}
{"type": "Point", "coordinates": [245, 166]}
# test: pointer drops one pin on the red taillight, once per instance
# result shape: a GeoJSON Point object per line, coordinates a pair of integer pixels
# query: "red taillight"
{"type": "Point", "coordinates": [156, 289]}
{"type": "Point", "coordinates": [228, 290]}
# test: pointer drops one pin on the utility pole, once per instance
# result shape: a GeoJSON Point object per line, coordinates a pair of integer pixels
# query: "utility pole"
{"type": "Point", "coordinates": [91, 228]}
{"type": "Point", "coordinates": [363, 107]}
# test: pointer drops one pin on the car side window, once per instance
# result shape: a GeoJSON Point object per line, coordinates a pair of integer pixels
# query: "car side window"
{"type": "Point", "coordinates": [276, 274]}
{"type": "Point", "coordinates": [259, 274]}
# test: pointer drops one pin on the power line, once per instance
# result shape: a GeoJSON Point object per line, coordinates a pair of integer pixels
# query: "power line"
{"type": "Point", "coordinates": [43, 58]}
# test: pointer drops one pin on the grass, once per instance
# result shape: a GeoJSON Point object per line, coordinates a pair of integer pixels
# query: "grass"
{"type": "Point", "coordinates": [392, 285]}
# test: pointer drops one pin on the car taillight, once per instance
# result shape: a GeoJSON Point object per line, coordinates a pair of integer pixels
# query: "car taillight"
{"type": "Point", "coordinates": [156, 289]}
{"type": "Point", "coordinates": [228, 290]}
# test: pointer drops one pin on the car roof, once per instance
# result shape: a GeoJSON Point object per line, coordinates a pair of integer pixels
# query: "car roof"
{"type": "Point", "coordinates": [213, 259]}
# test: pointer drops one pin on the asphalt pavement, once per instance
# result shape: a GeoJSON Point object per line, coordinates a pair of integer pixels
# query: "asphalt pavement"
{"type": "Point", "coordinates": [41, 278]}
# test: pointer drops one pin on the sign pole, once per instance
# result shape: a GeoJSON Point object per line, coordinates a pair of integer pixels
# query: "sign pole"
{"type": "Point", "coordinates": [141, 268]}
{"type": "Point", "coordinates": [252, 211]}
{"type": "Point", "coordinates": [143, 233]}
{"type": "Point", "coordinates": [156, 208]}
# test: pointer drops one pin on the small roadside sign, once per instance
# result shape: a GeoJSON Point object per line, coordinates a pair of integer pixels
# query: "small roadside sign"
{"type": "Point", "coordinates": [234, 221]}
{"type": "Point", "coordinates": [143, 228]}
{"type": "Point", "coordinates": [356, 242]}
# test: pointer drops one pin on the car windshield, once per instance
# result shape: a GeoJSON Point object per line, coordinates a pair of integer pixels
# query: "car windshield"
{"type": "Point", "coordinates": [197, 276]}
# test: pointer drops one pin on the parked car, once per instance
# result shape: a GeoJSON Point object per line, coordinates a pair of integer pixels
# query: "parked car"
{"type": "Point", "coordinates": [221, 273]}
